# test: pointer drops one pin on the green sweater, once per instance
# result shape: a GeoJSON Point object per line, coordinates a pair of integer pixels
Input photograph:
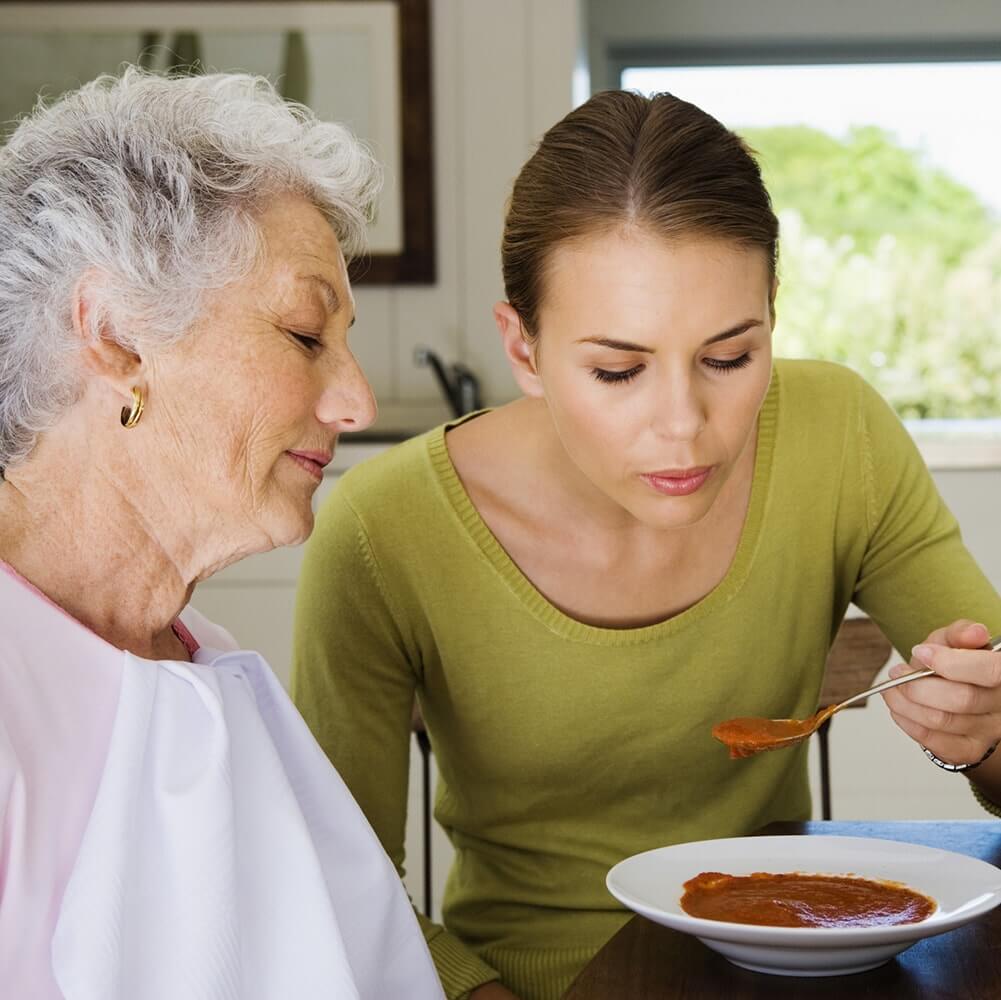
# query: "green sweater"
{"type": "Point", "coordinates": [563, 748]}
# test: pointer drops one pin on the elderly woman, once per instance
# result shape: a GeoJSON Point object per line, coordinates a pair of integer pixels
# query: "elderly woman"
{"type": "Point", "coordinates": [174, 374]}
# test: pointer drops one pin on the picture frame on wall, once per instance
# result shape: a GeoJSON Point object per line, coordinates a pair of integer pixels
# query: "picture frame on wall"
{"type": "Point", "coordinates": [364, 63]}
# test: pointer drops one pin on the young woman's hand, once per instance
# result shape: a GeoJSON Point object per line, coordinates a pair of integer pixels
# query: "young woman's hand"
{"type": "Point", "coordinates": [956, 715]}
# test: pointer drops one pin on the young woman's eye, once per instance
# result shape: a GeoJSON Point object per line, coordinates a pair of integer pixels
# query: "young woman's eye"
{"type": "Point", "coordinates": [603, 375]}
{"type": "Point", "coordinates": [729, 364]}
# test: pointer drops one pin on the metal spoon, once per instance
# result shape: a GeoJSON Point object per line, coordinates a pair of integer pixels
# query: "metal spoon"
{"type": "Point", "coordinates": [746, 736]}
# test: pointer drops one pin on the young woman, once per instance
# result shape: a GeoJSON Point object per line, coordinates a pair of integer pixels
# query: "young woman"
{"type": "Point", "coordinates": [664, 532]}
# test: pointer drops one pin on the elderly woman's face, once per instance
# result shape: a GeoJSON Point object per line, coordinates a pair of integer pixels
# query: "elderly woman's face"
{"type": "Point", "coordinates": [249, 406]}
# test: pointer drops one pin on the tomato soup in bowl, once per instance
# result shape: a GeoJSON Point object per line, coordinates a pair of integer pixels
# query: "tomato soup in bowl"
{"type": "Point", "coordinates": [795, 899]}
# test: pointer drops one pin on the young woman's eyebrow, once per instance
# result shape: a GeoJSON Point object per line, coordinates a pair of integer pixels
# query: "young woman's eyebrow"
{"type": "Point", "coordinates": [625, 345]}
{"type": "Point", "coordinates": [735, 331]}
{"type": "Point", "coordinates": [616, 345]}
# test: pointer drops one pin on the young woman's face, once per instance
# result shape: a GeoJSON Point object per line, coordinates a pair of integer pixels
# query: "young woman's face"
{"type": "Point", "coordinates": [654, 359]}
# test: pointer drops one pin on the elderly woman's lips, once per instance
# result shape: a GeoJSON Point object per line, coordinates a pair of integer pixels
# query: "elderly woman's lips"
{"type": "Point", "coordinates": [312, 461]}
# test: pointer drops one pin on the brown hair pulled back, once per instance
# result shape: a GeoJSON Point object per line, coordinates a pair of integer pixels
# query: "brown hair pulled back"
{"type": "Point", "coordinates": [657, 164]}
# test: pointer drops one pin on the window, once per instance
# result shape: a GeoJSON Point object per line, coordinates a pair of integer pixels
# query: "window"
{"type": "Point", "coordinates": [886, 177]}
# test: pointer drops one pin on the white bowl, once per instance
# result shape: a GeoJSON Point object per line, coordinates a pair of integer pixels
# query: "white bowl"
{"type": "Point", "coordinates": [652, 884]}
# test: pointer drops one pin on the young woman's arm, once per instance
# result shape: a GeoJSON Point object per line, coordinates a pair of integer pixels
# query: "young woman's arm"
{"type": "Point", "coordinates": [921, 584]}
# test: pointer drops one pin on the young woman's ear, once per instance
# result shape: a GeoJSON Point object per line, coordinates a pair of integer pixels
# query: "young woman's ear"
{"type": "Point", "coordinates": [521, 354]}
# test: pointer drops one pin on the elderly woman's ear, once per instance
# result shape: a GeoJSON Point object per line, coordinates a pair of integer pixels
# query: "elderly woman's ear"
{"type": "Point", "coordinates": [103, 348]}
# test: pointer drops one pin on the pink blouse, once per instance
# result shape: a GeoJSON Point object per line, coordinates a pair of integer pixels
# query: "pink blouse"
{"type": "Point", "coordinates": [55, 723]}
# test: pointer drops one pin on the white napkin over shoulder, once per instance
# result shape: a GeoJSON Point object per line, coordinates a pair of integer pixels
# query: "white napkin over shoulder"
{"type": "Point", "coordinates": [225, 859]}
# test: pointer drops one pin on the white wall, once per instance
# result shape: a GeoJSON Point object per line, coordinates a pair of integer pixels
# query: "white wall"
{"type": "Point", "coordinates": [974, 496]}
{"type": "Point", "coordinates": [501, 75]}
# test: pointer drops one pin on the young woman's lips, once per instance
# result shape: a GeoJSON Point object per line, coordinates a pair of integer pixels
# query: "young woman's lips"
{"type": "Point", "coordinates": [312, 461]}
{"type": "Point", "coordinates": [677, 482]}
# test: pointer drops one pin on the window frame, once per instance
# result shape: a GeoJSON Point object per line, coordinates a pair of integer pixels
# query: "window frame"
{"type": "Point", "coordinates": [622, 56]}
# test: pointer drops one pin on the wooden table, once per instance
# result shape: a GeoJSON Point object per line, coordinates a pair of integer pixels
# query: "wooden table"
{"type": "Point", "coordinates": [646, 961]}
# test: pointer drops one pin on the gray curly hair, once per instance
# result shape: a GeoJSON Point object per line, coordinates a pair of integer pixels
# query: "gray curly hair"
{"type": "Point", "coordinates": [155, 181]}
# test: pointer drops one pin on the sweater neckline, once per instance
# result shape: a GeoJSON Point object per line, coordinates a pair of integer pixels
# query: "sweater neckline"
{"type": "Point", "coordinates": [560, 622]}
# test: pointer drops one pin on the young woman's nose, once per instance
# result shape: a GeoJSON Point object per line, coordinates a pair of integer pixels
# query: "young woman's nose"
{"type": "Point", "coordinates": [679, 414]}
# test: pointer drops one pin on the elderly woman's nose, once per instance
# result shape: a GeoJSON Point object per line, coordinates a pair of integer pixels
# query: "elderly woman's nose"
{"type": "Point", "coordinates": [347, 400]}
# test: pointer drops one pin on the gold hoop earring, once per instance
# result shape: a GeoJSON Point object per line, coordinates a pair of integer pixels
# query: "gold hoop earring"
{"type": "Point", "coordinates": [131, 417]}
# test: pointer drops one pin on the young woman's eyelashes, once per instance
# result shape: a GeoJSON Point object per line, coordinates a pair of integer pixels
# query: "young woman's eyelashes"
{"type": "Point", "coordinates": [729, 364]}
{"type": "Point", "coordinates": [603, 375]}
{"type": "Point", "coordinates": [717, 364]}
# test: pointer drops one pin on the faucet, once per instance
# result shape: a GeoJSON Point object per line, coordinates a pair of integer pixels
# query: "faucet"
{"type": "Point", "coordinates": [458, 384]}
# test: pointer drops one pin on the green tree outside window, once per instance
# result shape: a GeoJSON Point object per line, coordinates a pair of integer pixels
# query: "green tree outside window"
{"type": "Point", "coordinates": [888, 265]}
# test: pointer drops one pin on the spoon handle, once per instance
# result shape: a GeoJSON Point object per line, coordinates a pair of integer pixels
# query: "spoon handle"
{"type": "Point", "coordinates": [994, 644]}
{"type": "Point", "coordinates": [886, 685]}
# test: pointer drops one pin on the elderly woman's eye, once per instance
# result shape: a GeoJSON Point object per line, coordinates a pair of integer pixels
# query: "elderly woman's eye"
{"type": "Point", "coordinates": [305, 340]}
